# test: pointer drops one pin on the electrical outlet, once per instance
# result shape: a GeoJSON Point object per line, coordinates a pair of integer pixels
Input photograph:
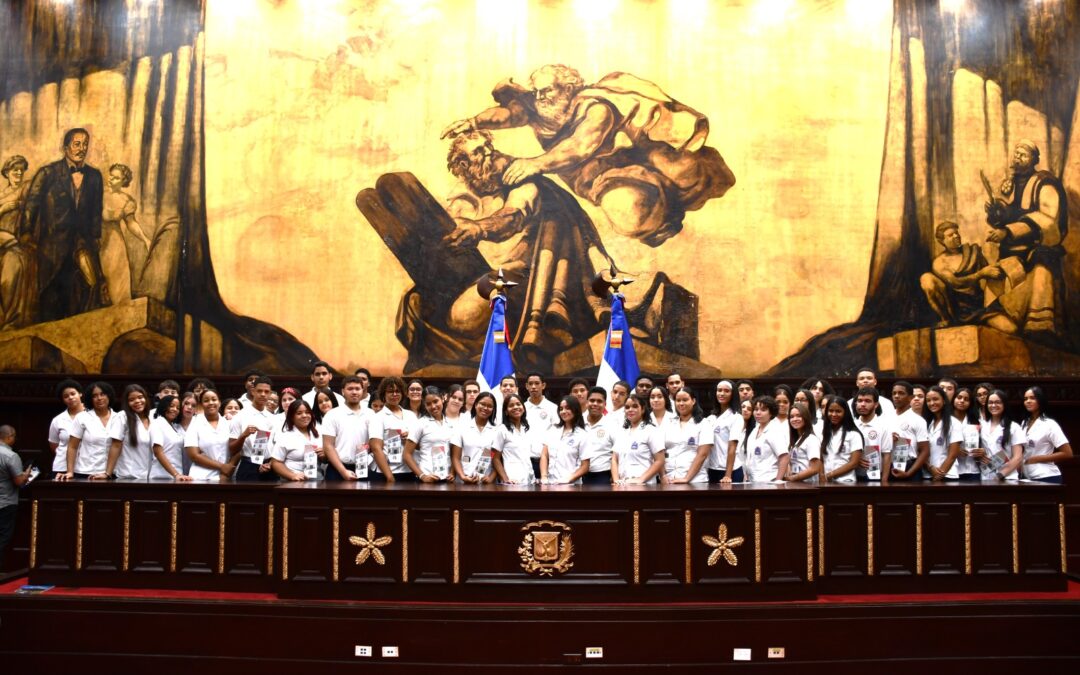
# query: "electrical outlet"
{"type": "Point", "coordinates": [776, 652]}
{"type": "Point", "coordinates": [389, 652]}
{"type": "Point", "coordinates": [362, 650]}
{"type": "Point", "coordinates": [741, 654]}
{"type": "Point", "coordinates": [594, 652]}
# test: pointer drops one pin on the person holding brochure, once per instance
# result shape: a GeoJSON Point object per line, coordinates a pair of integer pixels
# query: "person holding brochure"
{"type": "Point", "coordinates": [1046, 443]}
{"type": "Point", "coordinates": [637, 456]}
{"type": "Point", "coordinates": [70, 394]}
{"type": "Point", "coordinates": [966, 413]}
{"type": "Point", "coordinates": [294, 455]}
{"type": "Point", "coordinates": [1001, 447]}
{"type": "Point", "coordinates": [841, 441]}
{"type": "Point", "coordinates": [766, 444]}
{"type": "Point", "coordinates": [427, 452]}
{"type": "Point", "coordinates": [877, 433]}
{"type": "Point", "coordinates": [250, 434]}
{"type": "Point", "coordinates": [687, 441]}
{"type": "Point", "coordinates": [946, 438]}
{"type": "Point", "coordinates": [512, 447]}
{"type": "Point", "coordinates": [563, 460]}
{"type": "Point", "coordinates": [470, 450]}
{"type": "Point", "coordinates": [171, 420]}
{"type": "Point", "coordinates": [805, 449]}
{"type": "Point", "coordinates": [346, 433]}
{"type": "Point", "coordinates": [88, 444]}
{"type": "Point", "coordinates": [740, 437]}
{"type": "Point", "coordinates": [390, 428]}
{"type": "Point", "coordinates": [911, 442]}
{"type": "Point", "coordinates": [207, 442]}
{"type": "Point", "coordinates": [12, 477]}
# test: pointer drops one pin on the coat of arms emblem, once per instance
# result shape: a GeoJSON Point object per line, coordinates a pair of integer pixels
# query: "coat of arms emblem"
{"type": "Point", "coordinates": [547, 548]}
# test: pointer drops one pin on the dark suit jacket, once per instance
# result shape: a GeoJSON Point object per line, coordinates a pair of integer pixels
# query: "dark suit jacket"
{"type": "Point", "coordinates": [55, 224]}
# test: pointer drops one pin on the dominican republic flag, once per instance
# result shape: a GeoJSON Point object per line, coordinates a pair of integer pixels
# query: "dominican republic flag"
{"type": "Point", "coordinates": [496, 362]}
{"type": "Point", "coordinates": [620, 361]}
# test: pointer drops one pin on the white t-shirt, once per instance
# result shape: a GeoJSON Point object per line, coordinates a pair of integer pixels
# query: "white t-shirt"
{"type": "Point", "coordinates": [1043, 438]}
{"type": "Point", "coordinates": [616, 418]}
{"type": "Point", "coordinates": [682, 441]}
{"type": "Point", "coordinates": [909, 429]}
{"type": "Point", "coordinates": [764, 449]}
{"type": "Point", "coordinates": [388, 426]}
{"type": "Point", "coordinates": [171, 440]}
{"type": "Point", "coordinates": [516, 448]}
{"type": "Point", "coordinates": [93, 453]}
{"type": "Point", "coordinates": [939, 446]}
{"type": "Point", "coordinates": [59, 432]}
{"type": "Point", "coordinates": [134, 460]}
{"type": "Point", "coordinates": [725, 429]}
{"type": "Point", "coordinates": [801, 454]}
{"type": "Point", "coordinates": [432, 440]}
{"type": "Point", "coordinates": [877, 440]}
{"type": "Point", "coordinates": [212, 442]}
{"type": "Point", "coordinates": [309, 398]}
{"type": "Point", "coordinates": [257, 444]}
{"type": "Point", "coordinates": [292, 446]}
{"type": "Point", "coordinates": [993, 441]}
{"type": "Point", "coordinates": [598, 445]}
{"type": "Point", "coordinates": [636, 448]}
{"type": "Point", "coordinates": [541, 415]}
{"type": "Point", "coordinates": [838, 452]}
{"type": "Point", "coordinates": [350, 430]}
{"type": "Point", "coordinates": [475, 444]}
{"type": "Point", "coordinates": [565, 453]}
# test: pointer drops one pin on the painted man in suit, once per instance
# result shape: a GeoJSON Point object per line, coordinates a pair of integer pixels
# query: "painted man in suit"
{"type": "Point", "coordinates": [61, 226]}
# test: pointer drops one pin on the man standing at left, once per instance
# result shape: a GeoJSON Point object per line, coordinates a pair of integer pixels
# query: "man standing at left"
{"type": "Point", "coordinates": [61, 225]}
{"type": "Point", "coordinates": [12, 477]}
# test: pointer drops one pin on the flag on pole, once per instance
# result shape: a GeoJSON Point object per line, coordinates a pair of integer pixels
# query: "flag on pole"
{"type": "Point", "coordinates": [496, 361]}
{"type": "Point", "coordinates": [620, 361]}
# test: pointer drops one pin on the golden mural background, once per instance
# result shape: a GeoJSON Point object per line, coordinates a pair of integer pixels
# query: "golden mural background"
{"type": "Point", "coordinates": [308, 102]}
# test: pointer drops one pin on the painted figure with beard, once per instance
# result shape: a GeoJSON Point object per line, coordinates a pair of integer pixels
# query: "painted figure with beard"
{"type": "Point", "coordinates": [1028, 224]}
{"type": "Point", "coordinates": [621, 143]}
{"type": "Point", "coordinates": [540, 237]}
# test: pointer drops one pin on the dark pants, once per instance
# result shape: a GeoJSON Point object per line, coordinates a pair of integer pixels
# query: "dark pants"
{"type": "Point", "coordinates": [1056, 480]}
{"type": "Point", "coordinates": [716, 475]}
{"type": "Point", "coordinates": [970, 477]}
{"type": "Point", "coordinates": [596, 478]}
{"type": "Point", "coordinates": [536, 467]}
{"type": "Point", "coordinates": [248, 472]}
{"type": "Point", "coordinates": [377, 477]}
{"type": "Point", "coordinates": [7, 529]}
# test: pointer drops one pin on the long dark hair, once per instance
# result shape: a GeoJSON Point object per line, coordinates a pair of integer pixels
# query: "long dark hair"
{"type": "Point", "coordinates": [667, 401]}
{"type": "Point", "coordinates": [294, 408]}
{"type": "Point", "coordinates": [132, 418]}
{"type": "Point", "coordinates": [972, 414]}
{"type": "Point", "coordinates": [733, 402]}
{"type": "Point", "coordinates": [506, 415]}
{"type": "Point", "coordinates": [316, 412]}
{"type": "Point", "coordinates": [796, 437]}
{"type": "Point", "coordinates": [484, 394]}
{"type": "Point", "coordinates": [812, 405]}
{"type": "Point", "coordinates": [1006, 418]}
{"type": "Point", "coordinates": [1040, 398]}
{"type": "Point", "coordinates": [847, 423]}
{"type": "Point", "coordinates": [431, 390]}
{"type": "Point", "coordinates": [162, 409]}
{"type": "Point", "coordinates": [946, 411]}
{"type": "Point", "coordinates": [696, 413]}
{"type": "Point", "coordinates": [642, 401]}
{"type": "Point", "coordinates": [575, 407]}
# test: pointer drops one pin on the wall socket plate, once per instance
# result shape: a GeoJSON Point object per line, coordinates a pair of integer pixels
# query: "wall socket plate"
{"type": "Point", "coordinates": [390, 652]}
{"type": "Point", "coordinates": [362, 650]}
{"type": "Point", "coordinates": [594, 652]}
{"type": "Point", "coordinates": [776, 652]}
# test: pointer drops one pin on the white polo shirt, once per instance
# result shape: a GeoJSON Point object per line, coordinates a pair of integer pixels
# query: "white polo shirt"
{"type": "Point", "coordinates": [475, 445]}
{"type": "Point", "coordinates": [432, 440]}
{"type": "Point", "coordinates": [636, 448]}
{"type": "Point", "coordinates": [263, 420]}
{"type": "Point", "coordinates": [598, 445]}
{"type": "Point", "coordinates": [725, 428]}
{"type": "Point", "coordinates": [565, 453]}
{"type": "Point", "coordinates": [878, 437]}
{"type": "Point", "coordinates": [214, 443]}
{"type": "Point", "coordinates": [388, 426]}
{"type": "Point", "coordinates": [309, 398]}
{"type": "Point", "coordinates": [1044, 437]}
{"type": "Point", "coordinates": [993, 440]}
{"type": "Point", "coordinates": [134, 460]}
{"type": "Point", "coordinates": [682, 441]}
{"type": "Point", "coordinates": [350, 430]}
{"type": "Point", "coordinates": [764, 449]}
{"type": "Point", "coordinates": [802, 453]}
{"type": "Point", "coordinates": [93, 453]}
{"type": "Point", "coordinates": [59, 433]}
{"type": "Point", "coordinates": [939, 446]}
{"type": "Point", "coordinates": [541, 415]}
{"type": "Point", "coordinates": [516, 447]}
{"type": "Point", "coordinates": [838, 453]}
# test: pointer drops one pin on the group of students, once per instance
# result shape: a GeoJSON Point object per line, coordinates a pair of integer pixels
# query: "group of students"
{"type": "Point", "coordinates": [633, 434]}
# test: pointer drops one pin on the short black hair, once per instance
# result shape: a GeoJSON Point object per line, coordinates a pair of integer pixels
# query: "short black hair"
{"type": "Point", "coordinates": [67, 384]}
{"type": "Point", "coordinates": [576, 381]}
{"type": "Point", "coordinates": [263, 379]}
{"type": "Point", "coordinates": [315, 366]}
{"type": "Point", "coordinates": [598, 390]}
{"type": "Point", "coordinates": [70, 134]}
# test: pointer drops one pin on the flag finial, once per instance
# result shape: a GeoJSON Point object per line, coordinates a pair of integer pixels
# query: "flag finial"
{"type": "Point", "coordinates": [487, 285]}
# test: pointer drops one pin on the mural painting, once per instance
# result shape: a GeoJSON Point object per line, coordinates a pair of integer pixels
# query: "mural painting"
{"type": "Point", "coordinates": [797, 188]}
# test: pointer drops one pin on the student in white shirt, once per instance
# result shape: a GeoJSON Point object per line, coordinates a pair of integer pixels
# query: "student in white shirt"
{"type": "Point", "coordinates": [736, 471]}
{"type": "Point", "coordinates": [784, 398]}
{"type": "Point", "coordinates": [512, 447]}
{"type": "Point", "coordinates": [660, 408]}
{"type": "Point", "coordinates": [804, 452]}
{"type": "Point", "coordinates": [598, 432]}
{"type": "Point", "coordinates": [865, 377]}
{"type": "Point", "coordinates": [806, 397]}
{"type": "Point", "coordinates": [946, 438]}
{"type": "Point", "coordinates": [390, 428]}
{"type": "Point", "coordinates": [129, 452]}
{"type": "Point", "coordinates": [249, 384]}
{"type": "Point", "coordinates": [414, 396]}
{"type": "Point", "coordinates": [877, 433]}
{"type": "Point", "coordinates": [197, 386]}
{"type": "Point", "coordinates": [472, 390]}
{"type": "Point", "coordinates": [966, 414]}
{"type": "Point", "coordinates": [982, 390]}
{"type": "Point", "coordinates": [638, 447]}
{"type": "Point", "coordinates": [470, 451]}
{"type": "Point", "coordinates": [172, 417]}
{"type": "Point", "coordinates": [1046, 444]}
{"type": "Point", "coordinates": [231, 408]}
{"type": "Point", "coordinates": [948, 385]}
{"type": "Point", "coordinates": [918, 399]}
{"type": "Point", "coordinates": [579, 389]}
{"type": "Point", "coordinates": [346, 433]}
{"type": "Point", "coordinates": [365, 381]}
{"type": "Point", "coordinates": [725, 423]}
{"type": "Point", "coordinates": [620, 391]}
{"type": "Point", "coordinates": [70, 394]}
{"type": "Point", "coordinates": [540, 411]}
{"type": "Point", "coordinates": [288, 395]}
{"type": "Point", "coordinates": [841, 442]}
{"type": "Point", "coordinates": [819, 388]}
{"type": "Point", "coordinates": [294, 456]}
{"type": "Point", "coordinates": [1000, 435]}
{"type": "Point", "coordinates": [207, 442]}
{"type": "Point", "coordinates": [767, 444]}
{"type": "Point", "coordinates": [88, 443]}
{"type": "Point", "coordinates": [251, 434]}
{"type": "Point", "coordinates": [427, 451]}
{"type": "Point", "coordinates": [321, 377]}
{"type": "Point", "coordinates": [563, 458]}
{"type": "Point", "coordinates": [455, 403]}
{"type": "Point", "coordinates": [673, 383]}
{"type": "Point", "coordinates": [273, 402]}
{"type": "Point", "coordinates": [687, 441]}
{"type": "Point", "coordinates": [911, 442]}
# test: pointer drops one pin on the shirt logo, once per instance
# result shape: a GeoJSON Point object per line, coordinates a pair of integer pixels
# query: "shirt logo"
{"type": "Point", "coordinates": [757, 451]}
{"type": "Point", "coordinates": [940, 441]}
{"type": "Point", "coordinates": [872, 434]}
{"type": "Point", "coordinates": [691, 441]}
{"type": "Point", "coordinates": [600, 433]}
{"type": "Point", "coordinates": [633, 446]}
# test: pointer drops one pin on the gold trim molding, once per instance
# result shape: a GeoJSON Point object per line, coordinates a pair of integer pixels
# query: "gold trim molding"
{"type": "Point", "coordinates": [173, 515]}
{"type": "Point", "coordinates": [404, 545]}
{"type": "Point", "coordinates": [637, 547]}
{"type": "Point", "coordinates": [687, 573]}
{"type": "Point", "coordinates": [870, 540]}
{"type": "Point", "coordinates": [334, 543]}
{"type": "Point", "coordinates": [285, 544]}
{"type": "Point", "coordinates": [79, 536]}
{"type": "Point", "coordinates": [967, 538]}
{"type": "Point", "coordinates": [127, 536]}
{"type": "Point", "coordinates": [918, 539]}
{"type": "Point", "coordinates": [457, 546]}
{"type": "Point", "coordinates": [270, 540]}
{"type": "Point", "coordinates": [1061, 535]}
{"type": "Point", "coordinates": [757, 545]}
{"type": "Point", "coordinates": [221, 539]}
{"type": "Point", "coordinates": [821, 540]}
{"type": "Point", "coordinates": [1016, 539]}
{"type": "Point", "coordinates": [809, 544]}
{"type": "Point", "coordinates": [33, 533]}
